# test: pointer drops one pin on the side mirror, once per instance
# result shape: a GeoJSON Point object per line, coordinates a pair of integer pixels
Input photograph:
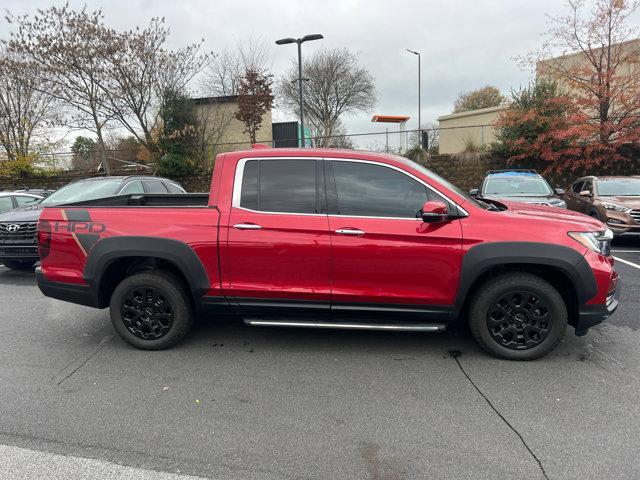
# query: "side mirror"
{"type": "Point", "coordinates": [473, 192]}
{"type": "Point", "coordinates": [559, 191]}
{"type": "Point", "coordinates": [434, 212]}
{"type": "Point", "coordinates": [585, 193]}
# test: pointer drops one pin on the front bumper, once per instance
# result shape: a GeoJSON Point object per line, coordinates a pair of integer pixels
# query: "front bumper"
{"type": "Point", "coordinates": [69, 292]}
{"type": "Point", "coordinates": [18, 251]}
{"type": "Point", "coordinates": [591, 315]}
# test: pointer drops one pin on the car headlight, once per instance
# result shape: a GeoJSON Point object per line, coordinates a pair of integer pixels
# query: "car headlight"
{"type": "Point", "coordinates": [558, 203]}
{"type": "Point", "coordinates": [599, 242]}
{"type": "Point", "coordinates": [615, 208]}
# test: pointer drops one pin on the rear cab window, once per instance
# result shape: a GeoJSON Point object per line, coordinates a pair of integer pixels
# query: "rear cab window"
{"type": "Point", "coordinates": [280, 186]}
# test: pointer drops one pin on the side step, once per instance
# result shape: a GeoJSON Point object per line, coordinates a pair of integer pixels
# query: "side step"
{"type": "Point", "coordinates": [397, 327]}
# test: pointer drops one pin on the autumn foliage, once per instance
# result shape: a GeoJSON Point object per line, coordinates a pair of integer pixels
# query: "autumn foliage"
{"type": "Point", "coordinates": [584, 110]}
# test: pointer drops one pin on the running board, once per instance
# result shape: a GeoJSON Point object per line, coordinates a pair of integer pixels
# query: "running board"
{"type": "Point", "coordinates": [397, 327]}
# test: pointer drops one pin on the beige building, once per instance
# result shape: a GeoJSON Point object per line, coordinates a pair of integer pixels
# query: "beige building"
{"type": "Point", "coordinates": [578, 66]}
{"type": "Point", "coordinates": [457, 130]}
{"type": "Point", "coordinates": [223, 132]}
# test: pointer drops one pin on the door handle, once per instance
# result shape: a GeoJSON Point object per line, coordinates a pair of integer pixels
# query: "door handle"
{"type": "Point", "coordinates": [350, 231]}
{"type": "Point", "coordinates": [247, 226]}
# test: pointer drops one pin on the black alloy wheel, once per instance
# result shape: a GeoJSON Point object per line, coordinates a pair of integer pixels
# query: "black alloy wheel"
{"type": "Point", "coordinates": [517, 315]}
{"type": "Point", "coordinates": [519, 320]}
{"type": "Point", "coordinates": [146, 313]}
{"type": "Point", "coordinates": [152, 309]}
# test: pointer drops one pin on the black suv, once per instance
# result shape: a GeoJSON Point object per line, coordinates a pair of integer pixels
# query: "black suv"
{"type": "Point", "coordinates": [18, 244]}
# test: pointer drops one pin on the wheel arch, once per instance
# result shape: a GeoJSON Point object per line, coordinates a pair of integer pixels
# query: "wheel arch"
{"type": "Point", "coordinates": [562, 267]}
{"type": "Point", "coordinates": [113, 259]}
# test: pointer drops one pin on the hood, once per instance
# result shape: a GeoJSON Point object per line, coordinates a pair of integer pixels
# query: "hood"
{"type": "Point", "coordinates": [551, 198]}
{"type": "Point", "coordinates": [22, 214]}
{"type": "Point", "coordinates": [573, 220]}
{"type": "Point", "coordinates": [631, 202]}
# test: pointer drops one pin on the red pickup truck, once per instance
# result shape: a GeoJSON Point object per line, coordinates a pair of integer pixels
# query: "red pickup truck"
{"type": "Point", "coordinates": [327, 238]}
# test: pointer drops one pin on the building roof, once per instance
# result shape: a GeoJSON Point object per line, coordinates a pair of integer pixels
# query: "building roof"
{"type": "Point", "coordinates": [210, 100]}
{"type": "Point", "coordinates": [470, 113]}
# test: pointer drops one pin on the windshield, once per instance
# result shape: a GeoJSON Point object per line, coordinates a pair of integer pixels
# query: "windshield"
{"type": "Point", "coordinates": [517, 185]}
{"type": "Point", "coordinates": [83, 190]}
{"type": "Point", "coordinates": [619, 187]}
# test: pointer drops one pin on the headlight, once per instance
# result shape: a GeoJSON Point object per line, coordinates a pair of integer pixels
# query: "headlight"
{"type": "Point", "coordinates": [615, 208]}
{"type": "Point", "coordinates": [559, 204]}
{"type": "Point", "coordinates": [599, 242]}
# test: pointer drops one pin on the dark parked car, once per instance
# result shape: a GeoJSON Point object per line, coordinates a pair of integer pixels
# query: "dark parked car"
{"type": "Point", "coordinates": [18, 248]}
{"type": "Point", "coordinates": [612, 200]}
{"type": "Point", "coordinates": [526, 186]}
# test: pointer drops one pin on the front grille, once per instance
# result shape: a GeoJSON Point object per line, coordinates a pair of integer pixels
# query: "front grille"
{"type": "Point", "coordinates": [17, 232]}
{"type": "Point", "coordinates": [635, 214]}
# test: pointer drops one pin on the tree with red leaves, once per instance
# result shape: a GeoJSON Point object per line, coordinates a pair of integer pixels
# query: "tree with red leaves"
{"type": "Point", "coordinates": [598, 87]}
{"type": "Point", "coordinates": [255, 99]}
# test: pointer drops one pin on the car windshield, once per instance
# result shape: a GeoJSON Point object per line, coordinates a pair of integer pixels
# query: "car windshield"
{"type": "Point", "coordinates": [619, 187]}
{"type": "Point", "coordinates": [83, 190]}
{"type": "Point", "coordinates": [516, 185]}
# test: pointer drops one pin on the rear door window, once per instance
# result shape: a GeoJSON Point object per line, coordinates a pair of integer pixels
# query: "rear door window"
{"type": "Point", "coordinates": [173, 188]}
{"type": "Point", "coordinates": [154, 186]}
{"type": "Point", "coordinates": [132, 187]}
{"type": "Point", "coordinates": [286, 186]}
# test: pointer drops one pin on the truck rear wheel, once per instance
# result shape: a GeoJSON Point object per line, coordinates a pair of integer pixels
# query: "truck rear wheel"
{"type": "Point", "coordinates": [151, 310]}
{"type": "Point", "coordinates": [517, 316]}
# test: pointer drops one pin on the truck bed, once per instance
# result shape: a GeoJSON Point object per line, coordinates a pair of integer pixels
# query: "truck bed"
{"type": "Point", "coordinates": [147, 200]}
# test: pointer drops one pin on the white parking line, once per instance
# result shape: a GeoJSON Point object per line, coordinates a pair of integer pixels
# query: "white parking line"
{"type": "Point", "coordinates": [627, 262]}
{"type": "Point", "coordinates": [26, 464]}
{"type": "Point", "coordinates": [614, 250]}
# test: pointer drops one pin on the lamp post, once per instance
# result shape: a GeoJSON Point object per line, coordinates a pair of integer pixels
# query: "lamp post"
{"type": "Point", "coordinates": [300, 41]}
{"type": "Point", "coordinates": [419, 104]}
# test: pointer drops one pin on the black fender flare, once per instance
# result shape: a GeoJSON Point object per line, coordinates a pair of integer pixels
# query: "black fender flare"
{"type": "Point", "coordinates": [485, 256]}
{"type": "Point", "coordinates": [110, 249]}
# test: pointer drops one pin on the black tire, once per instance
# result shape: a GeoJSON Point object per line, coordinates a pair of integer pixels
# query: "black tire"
{"type": "Point", "coordinates": [151, 301]}
{"type": "Point", "coordinates": [22, 265]}
{"type": "Point", "coordinates": [517, 316]}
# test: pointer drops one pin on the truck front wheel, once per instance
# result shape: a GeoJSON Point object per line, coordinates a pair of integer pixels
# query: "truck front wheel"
{"type": "Point", "coordinates": [517, 316]}
{"type": "Point", "coordinates": [151, 310]}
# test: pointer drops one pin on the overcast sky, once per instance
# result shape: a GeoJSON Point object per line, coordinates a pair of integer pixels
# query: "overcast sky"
{"type": "Point", "coordinates": [465, 44]}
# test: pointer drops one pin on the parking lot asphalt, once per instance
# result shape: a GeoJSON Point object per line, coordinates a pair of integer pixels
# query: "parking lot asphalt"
{"type": "Point", "coordinates": [235, 402]}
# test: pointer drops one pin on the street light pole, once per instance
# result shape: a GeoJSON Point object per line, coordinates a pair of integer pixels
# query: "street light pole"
{"type": "Point", "coordinates": [300, 41]}
{"type": "Point", "coordinates": [301, 141]}
{"type": "Point", "coordinates": [419, 100]}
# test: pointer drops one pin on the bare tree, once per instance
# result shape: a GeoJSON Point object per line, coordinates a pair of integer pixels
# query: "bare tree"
{"type": "Point", "coordinates": [224, 73]}
{"type": "Point", "coordinates": [337, 85]}
{"type": "Point", "coordinates": [138, 72]}
{"type": "Point", "coordinates": [26, 111]}
{"type": "Point", "coordinates": [65, 47]}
